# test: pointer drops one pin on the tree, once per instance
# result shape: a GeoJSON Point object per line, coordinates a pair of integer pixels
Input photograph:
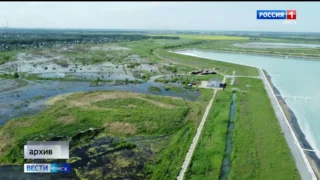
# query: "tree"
{"type": "Point", "coordinates": [16, 75]}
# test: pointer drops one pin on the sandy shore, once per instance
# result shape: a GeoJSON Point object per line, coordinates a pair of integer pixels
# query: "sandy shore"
{"type": "Point", "coordinates": [312, 157]}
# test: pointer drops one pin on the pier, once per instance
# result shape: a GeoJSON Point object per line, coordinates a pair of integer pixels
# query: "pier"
{"type": "Point", "coordinates": [295, 97]}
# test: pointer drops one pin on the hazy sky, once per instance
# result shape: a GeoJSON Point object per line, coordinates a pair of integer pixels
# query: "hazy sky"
{"type": "Point", "coordinates": [158, 15]}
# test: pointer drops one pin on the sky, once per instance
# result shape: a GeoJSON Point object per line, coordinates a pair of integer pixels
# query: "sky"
{"type": "Point", "coordinates": [233, 16]}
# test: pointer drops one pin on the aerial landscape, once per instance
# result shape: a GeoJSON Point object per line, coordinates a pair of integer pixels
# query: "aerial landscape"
{"type": "Point", "coordinates": [161, 104]}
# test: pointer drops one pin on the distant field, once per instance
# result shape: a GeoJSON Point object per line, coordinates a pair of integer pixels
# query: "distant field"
{"type": "Point", "coordinates": [206, 37]}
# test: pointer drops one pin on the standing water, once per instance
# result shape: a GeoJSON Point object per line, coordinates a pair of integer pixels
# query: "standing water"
{"type": "Point", "coordinates": [226, 164]}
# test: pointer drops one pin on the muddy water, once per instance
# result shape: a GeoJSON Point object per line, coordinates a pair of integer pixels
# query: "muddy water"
{"type": "Point", "coordinates": [226, 164]}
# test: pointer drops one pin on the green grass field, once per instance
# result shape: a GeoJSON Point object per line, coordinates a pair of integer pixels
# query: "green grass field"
{"type": "Point", "coordinates": [259, 148]}
{"type": "Point", "coordinates": [207, 158]}
{"type": "Point", "coordinates": [223, 67]}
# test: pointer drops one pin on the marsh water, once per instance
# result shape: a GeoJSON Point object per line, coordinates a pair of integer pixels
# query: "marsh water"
{"type": "Point", "coordinates": [31, 99]}
{"type": "Point", "coordinates": [295, 78]}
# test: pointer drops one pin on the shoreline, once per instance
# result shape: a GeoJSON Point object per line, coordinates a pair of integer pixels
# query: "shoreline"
{"type": "Point", "coordinates": [306, 163]}
{"type": "Point", "coordinates": [254, 53]}
{"type": "Point", "coordinates": [293, 120]}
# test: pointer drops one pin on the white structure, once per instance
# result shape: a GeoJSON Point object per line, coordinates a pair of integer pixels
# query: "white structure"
{"type": "Point", "coordinates": [215, 82]}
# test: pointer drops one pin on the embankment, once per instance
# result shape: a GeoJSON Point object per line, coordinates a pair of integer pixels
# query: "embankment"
{"type": "Point", "coordinates": [293, 120]}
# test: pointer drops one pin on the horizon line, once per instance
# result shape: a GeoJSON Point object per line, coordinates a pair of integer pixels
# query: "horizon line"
{"type": "Point", "coordinates": [127, 29]}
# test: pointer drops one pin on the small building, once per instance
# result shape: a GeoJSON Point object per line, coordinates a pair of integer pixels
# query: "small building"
{"type": "Point", "coordinates": [202, 72]}
{"type": "Point", "coordinates": [195, 72]}
{"type": "Point", "coordinates": [214, 83]}
{"type": "Point", "coordinates": [207, 72]}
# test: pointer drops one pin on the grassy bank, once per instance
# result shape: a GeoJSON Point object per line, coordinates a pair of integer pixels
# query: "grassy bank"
{"type": "Point", "coordinates": [170, 159]}
{"type": "Point", "coordinates": [203, 63]}
{"type": "Point", "coordinates": [259, 148]}
{"type": "Point", "coordinates": [208, 156]}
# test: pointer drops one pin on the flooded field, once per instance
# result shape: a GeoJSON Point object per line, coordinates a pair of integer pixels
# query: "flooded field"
{"type": "Point", "coordinates": [31, 99]}
{"type": "Point", "coordinates": [125, 143]}
{"type": "Point", "coordinates": [84, 63]}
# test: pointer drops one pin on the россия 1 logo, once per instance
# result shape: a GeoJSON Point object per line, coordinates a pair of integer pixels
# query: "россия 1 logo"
{"type": "Point", "coordinates": [277, 14]}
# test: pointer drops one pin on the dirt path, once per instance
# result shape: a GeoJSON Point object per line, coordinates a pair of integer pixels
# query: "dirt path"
{"type": "Point", "coordinates": [195, 139]}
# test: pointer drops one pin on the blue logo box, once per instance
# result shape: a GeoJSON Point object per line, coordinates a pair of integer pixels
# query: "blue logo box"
{"type": "Point", "coordinates": [271, 14]}
{"type": "Point", "coordinates": [47, 168]}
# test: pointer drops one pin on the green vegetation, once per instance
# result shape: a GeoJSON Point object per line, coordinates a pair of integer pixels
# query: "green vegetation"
{"type": "Point", "coordinates": [111, 113]}
{"type": "Point", "coordinates": [172, 69]}
{"type": "Point", "coordinates": [7, 56]}
{"type": "Point", "coordinates": [171, 159]}
{"type": "Point", "coordinates": [123, 145]}
{"type": "Point", "coordinates": [208, 156]}
{"type": "Point", "coordinates": [62, 63]}
{"type": "Point", "coordinates": [145, 48]}
{"type": "Point", "coordinates": [186, 79]}
{"type": "Point", "coordinates": [133, 65]}
{"type": "Point", "coordinates": [16, 75]}
{"type": "Point", "coordinates": [64, 119]}
{"type": "Point", "coordinates": [174, 88]}
{"type": "Point", "coordinates": [154, 89]}
{"type": "Point", "coordinates": [259, 148]}
{"type": "Point", "coordinates": [71, 78]}
{"type": "Point", "coordinates": [202, 63]}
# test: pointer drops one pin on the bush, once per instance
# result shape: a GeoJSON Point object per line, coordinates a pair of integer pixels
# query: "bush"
{"type": "Point", "coordinates": [16, 75]}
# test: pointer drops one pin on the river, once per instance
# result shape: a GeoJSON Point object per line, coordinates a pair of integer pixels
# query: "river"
{"type": "Point", "coordinates": [292, 77]}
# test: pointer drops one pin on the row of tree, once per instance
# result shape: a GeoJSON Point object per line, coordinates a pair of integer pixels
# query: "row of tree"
{"type": "Point", "coordinates": [32, 42]}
